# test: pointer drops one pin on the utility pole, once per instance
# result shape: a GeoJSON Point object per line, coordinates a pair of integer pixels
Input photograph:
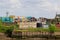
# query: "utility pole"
{"type": "Point", "coordinates": [7, 14]}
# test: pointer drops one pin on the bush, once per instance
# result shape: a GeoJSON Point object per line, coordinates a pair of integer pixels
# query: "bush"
{"type": "Point", "coordinates": [9, 31]}
{"type": "Point", "coordinates": [52, 28]}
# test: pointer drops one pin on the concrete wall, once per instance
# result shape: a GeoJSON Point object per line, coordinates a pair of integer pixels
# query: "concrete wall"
{"type": "Point", "coordinates": [27, 24]}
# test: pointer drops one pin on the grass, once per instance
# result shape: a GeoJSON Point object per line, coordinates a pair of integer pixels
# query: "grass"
{"type": "Point", "coordinates": [4, 28]}
{"type": "Point", "coordinates": [34, 30]}
{"type": "Point", "coordinates": [30, 29]}
{"type": "Point", "coordinates": [51, 28]}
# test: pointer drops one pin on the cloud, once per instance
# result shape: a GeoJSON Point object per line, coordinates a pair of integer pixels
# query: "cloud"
{"type": "Point", "coordinates": [45, 5]}
{"type": "Point", "coordinates": [15, 3]}
{"type": "Point", "coordinates": [10, 4]}
{"type": "Point", "coordinates": [30, 7]}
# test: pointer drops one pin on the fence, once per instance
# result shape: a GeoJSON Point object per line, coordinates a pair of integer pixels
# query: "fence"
{"type": "Point", "coordinates": [32, 36]}
{"type": "Point", "coordinates": [38, 36]}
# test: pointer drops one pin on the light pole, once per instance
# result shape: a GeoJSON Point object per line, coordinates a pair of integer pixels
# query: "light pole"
{"type": "Point", "coordinates": [7, 14]}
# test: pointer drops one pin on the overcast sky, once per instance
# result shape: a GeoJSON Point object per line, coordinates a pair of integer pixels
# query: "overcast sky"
{"type": "Point", "coordinates": [36, 8]}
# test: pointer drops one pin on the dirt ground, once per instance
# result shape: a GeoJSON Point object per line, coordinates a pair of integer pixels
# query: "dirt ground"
{"type": "Point", "coordinates": [3, 37]}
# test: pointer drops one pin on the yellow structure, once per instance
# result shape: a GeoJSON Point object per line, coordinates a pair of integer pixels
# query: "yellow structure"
{"type": "Point", "coordinates": [12, 16]}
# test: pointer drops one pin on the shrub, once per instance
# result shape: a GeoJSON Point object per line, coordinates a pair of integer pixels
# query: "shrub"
{"type": "Point", "coordinates": [8, 31]}
{"type": "Point", "coordinates": [52, 28]}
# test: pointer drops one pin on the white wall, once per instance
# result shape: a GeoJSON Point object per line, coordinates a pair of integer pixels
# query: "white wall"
{"type": "Point", "coordinates": [25, 25]}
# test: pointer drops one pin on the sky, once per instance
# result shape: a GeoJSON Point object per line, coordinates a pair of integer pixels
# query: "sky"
{"type": "Point", "coordinates": [35, 8]}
